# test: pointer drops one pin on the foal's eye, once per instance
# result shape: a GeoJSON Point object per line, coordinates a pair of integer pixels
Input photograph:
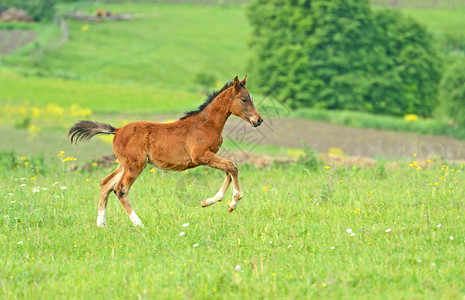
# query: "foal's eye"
{"type": "Point", "coordinates": [244, 100]}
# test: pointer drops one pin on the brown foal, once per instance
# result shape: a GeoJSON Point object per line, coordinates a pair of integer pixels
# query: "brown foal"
{"type": "Point", "coordinates": [187, 143]}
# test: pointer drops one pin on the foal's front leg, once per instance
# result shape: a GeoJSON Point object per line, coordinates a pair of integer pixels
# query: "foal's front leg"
{"type": "Point", "coordinates": [220, 195]}
{"type": "Point", "coordinates": [227, 166]}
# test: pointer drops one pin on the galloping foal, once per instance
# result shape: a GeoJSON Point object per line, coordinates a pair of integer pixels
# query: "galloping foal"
{"type": "Point", "coordinates": [187, 143]}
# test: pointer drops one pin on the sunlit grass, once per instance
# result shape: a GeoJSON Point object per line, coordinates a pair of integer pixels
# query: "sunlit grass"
{"type": "Point", "coordinates": [369, 233]}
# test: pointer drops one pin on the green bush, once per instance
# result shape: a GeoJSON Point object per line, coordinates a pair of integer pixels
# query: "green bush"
{"type": "Point", "coordinates": [452, 91]}
{"type": "Point", "coordinates": [341, 55]}
{"type": "Point", "coordinates": [205, 79]}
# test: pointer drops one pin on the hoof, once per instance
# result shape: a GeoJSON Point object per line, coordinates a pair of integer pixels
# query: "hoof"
{"type": "Point", "coordinates": [138, 223]}
{"type": "Point", "coordinates": [230, 209]}
{"type": "Point", "coordinates": [204, 203]}
{"type": "Point", "coordinates": [101, 225]}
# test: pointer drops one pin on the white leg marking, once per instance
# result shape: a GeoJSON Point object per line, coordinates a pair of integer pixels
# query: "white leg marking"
{"type": "Point", "coordinates": [237, 195]}
{"type": "Point", "coordinates": [217, 198]}
{"type": "Point", "coordinates": [135, 220]}
{"type": "Point", "coordinates": [101, 218]}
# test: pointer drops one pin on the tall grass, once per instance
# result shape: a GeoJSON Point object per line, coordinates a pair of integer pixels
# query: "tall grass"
{"type": "Point", "coordinates": [324, 232]}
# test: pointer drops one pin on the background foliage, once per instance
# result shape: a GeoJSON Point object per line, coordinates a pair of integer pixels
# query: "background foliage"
{"type": "Point", "coordinates": [342, 55]}
{"type": "Point", "coordinates": [453, 91]}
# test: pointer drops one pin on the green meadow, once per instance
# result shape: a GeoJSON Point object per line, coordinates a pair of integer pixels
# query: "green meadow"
{"type": "Point", "coordinates": [324, 232]}
{"type": "Point", "coordinates": [305, 229]}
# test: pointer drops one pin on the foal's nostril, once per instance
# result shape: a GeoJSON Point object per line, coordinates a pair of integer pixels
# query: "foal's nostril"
{"type": "Point", "coordinates": [260, 121]}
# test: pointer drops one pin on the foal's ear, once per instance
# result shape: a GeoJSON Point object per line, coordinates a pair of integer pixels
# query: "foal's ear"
{"type": "Point", "coordinates": [244, 81]}
{"type": "Point", "coordinates": [237, 84]}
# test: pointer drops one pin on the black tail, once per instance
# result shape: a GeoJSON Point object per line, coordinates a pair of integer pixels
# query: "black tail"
{"type": "Point", "coordinates": [85, 130]}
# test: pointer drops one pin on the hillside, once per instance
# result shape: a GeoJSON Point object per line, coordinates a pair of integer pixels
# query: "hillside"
{"type": "Point", "coordinates": [168, 46]}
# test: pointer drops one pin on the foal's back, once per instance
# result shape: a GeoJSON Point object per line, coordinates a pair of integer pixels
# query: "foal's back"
{"type": "Point", "coordinates": [161, 144]}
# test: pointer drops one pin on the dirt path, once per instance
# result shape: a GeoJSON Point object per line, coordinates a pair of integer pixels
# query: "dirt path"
{"type": "Point", "coordinates": [11, 40]}
{"type": "Point", "coordinates": [353, 141]}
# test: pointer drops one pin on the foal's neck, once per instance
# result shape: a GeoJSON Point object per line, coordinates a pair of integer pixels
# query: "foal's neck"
{"type": "Point", "coordinates": [216, 114]}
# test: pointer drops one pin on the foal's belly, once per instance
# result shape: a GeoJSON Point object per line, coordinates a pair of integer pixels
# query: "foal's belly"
{"type": "Point", "coordinates": [172, 166]}
{"type": "Point", "coordinates": [170, 159]}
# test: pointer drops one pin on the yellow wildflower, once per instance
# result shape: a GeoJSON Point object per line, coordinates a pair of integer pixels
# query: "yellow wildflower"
{"type": "Point", "coordinates": [411, 118]}
{"type": "Point", "coordinates": [69, 159]}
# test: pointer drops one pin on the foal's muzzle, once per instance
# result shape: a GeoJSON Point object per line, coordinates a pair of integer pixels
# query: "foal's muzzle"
{"type": "Point", "coordinates": [258, 122]}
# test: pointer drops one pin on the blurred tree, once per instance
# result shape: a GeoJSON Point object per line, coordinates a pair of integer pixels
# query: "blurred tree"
{"type": "Point", "coordinates": [339, 54]}
{"type": "Point", "coordinates": [205, 79]}
{"type": "Point", "coordinates": [452, 91]}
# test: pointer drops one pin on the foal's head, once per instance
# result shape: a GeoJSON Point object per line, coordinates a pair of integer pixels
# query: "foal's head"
{"type": "Point", "coordinates": [241, 104]}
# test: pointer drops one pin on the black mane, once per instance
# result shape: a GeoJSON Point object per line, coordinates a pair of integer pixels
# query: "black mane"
{"type": "Point", "coordinates": [210, 97]}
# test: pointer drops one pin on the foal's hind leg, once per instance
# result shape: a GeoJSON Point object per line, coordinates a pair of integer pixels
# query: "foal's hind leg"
{"type": "Point", "coordinates": [220, 195]}
{"type": "Point", "coordinates": [215, 161]}
{"type": "Point", "coordinates": [106, 186]}
{"type": "Point", "coordinates": [123, 186]}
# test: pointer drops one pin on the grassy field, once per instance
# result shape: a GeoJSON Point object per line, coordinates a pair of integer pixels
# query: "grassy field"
{"type": "Point", "coordinates": [324, 231]}
{"type": "Point", "coordinates": [169, 47]}
{"type": "Point", "coordinates": [100, 97]}
{"type": "Point", "coordinates": [303, 230]}
{"type": "Point", "coordinates": [149, 65]}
